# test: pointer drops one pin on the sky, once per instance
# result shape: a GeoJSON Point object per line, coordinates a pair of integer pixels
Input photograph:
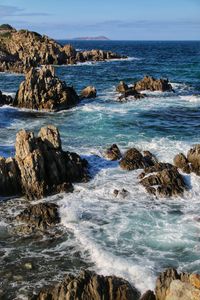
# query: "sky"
{"type": "Point", "coordinates": [116, 19]}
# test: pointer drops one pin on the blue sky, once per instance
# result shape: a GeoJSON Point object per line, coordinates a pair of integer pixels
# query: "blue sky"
{"type": "Point", "coordinates": [124, 19]}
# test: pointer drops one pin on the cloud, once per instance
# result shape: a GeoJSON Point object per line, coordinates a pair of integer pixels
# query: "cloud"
{"type": "Point", "coordinates": [14, 11]}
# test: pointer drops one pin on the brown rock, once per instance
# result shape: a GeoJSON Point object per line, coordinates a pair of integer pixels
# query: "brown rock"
{"type": "Point", "coordinates": [193, 158]}
{"type": "Point", "coordinates": [127, 91]}
{"type": "Point", "coordinates": [42, 90]}
{"type": "Point", "coordinates": [149, 295]}
{"type": "Point", "coordinates": [90, 286]}
{"type": "Point", "coordinates": [163, 282]}
{"type": "Point", "coordinates": [181, 162]}
{"type": "Point", "coordinates": [113, 153]}
{"type": "Point", "coordinates": [182, 291]}
{"type": "Point", "coordinates": [88, 92]}
{"type": "Point", "coordinates": [152, 84]}
{"type": "Point", "coordinates": [134, 160]}
{"type": "Point", "coordinates": [194, 279]}
{"type": "Point", "coordinates": [122, 87]}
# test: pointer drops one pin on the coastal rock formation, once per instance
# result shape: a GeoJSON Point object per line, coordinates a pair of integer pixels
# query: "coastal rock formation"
{"type": "Point", "coordinates": [163, 180]}
{"type": "Point", "coordinates": [42, 90]}
{"type": "Point", "coordinates": [40, 167]}
{"type": "Point", "coordinates": [5, 99]}
{"type": "Point", "coordinates": [134, 159]}
{"type": "Point", "coordinates": [149, 295]}
{"type": "Point", "coordinates": [24, 49]}
{"type": "Point", "coordinates": [181, 162]}
{"type": "Point", "coordinates": [191, 163]}
{"type": "Point", "coordinates": [90, 286]}
{"type": "Point", "coordinates": [88, 92]}
{"type": "Point", "coordinates": [152, 84]}
{"type": "Point", "coordinates": [38, 217]}
{"type": "Point", "coordinates": [113, 153]}
{"type": "Point", "coordinates": [127, 91]}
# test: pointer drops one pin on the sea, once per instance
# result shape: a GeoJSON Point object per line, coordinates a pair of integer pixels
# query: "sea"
{"type": "Point", "coordinates": [135, 237]}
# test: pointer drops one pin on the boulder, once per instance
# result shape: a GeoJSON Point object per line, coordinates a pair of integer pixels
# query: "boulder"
{"type": "Point", "coordinates": [127, 91]}
{"type": "Point", "coordinates": [193, 157]}
{"type": "Point", "coordinates": [10, 181]}
{"type": "Point", "coordinates": [149, 295]}
{"type": "Point", "coordinates": [5, 99]}
{"type": "Point", "coordinates": [38, 217]}
{"type": "Point", "coordinates": [181, 162]}
{"type": "Point", "coordinates": [42, 90]}
{"type": "Point", "coordinates": [88, 92]}
{"type": "Point", "coordinates": [89, 286]}
{"type": "Point", "coordinates": [152, 84]}
{"type": "Point", "coordinates": [122, 87]}
{"type": "Point", "coordinates": [163, 180]}
{"type": "Point", "coordinates": [134, 159]}
{"type": "Point", "coordinates": [113, 153]}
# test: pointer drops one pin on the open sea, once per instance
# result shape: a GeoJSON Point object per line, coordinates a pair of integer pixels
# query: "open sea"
{"type": "Point", "coordinates": [134, 237]}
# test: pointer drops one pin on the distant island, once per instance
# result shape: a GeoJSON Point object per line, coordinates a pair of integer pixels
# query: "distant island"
{"type": "Point", "coordinates": [95, 38]}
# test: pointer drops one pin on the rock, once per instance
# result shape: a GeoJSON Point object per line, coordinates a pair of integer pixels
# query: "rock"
{"type": "Point", "coordinates": [70, 51]}
{"type": "Point", "coordinates": [193, 157]}
{"type": "Point", "coordinates": [182, 291]}
{"type": "Point", "coordinates": [113, 153]}
{"type": "Point", "coordinates": [181, 162]}
{"type": "Point", "coordinates": [97, 55]}
{"type": "Point", "coordinates": [152, 84]}
{"type": "Point", "coordinates": [90, 286]}
{"type": "Point", "coordinates": [123, 193]}
{"type": "Point", "coordinates": [10, 181]}
{"type": "Point", "coordinates": [88, 92]}
{"type": "Point", "coordinates": [149, 295]}
{"type": "Point", "coordinates": [28, 266]}
{"type": "Point", "coordinates": [122, 87]}
{"type": "Point", "coordinates": [163, 282]}
{"type": "Point", "coordinates": [134, 160]}
{"type": "Point", "coordinates": [38, 217]}
{"type": "Point", "coordinates": [127, 91]}
{"type": "Point", "coordinates": [165, 181]}
{"type": "Point", "coordinates": [42, 90]}
{"type": "Point", "coordinates": [5, 100]}
{"type": "Point", "coordinates": [194, 280]}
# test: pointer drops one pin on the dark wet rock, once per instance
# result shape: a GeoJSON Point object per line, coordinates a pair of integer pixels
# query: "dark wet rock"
{"type": "Point", "coordinates": [122, 193]}
{"type": "Point", "coordinates": [181, 162]}
{"type": "Point", "coordinates": [163, 180]}
{"type": "Point", "coordinates": [113, 153]}
{"type": "Point", "coordinates": [193, 157]}
{"type": "Point", "coordinates": [152, 84]}
{"type": "Point", "coordinates": [10, 181]}
{"type": "Point", "coordinates": [133, 160]}
{"type": "Point", "coordinates": [5, 99]}
{"type": "Point", "coordinates": [90, 286]}
{"type": "Point", "coordinates": [42, 90]}
{"type": "Point", "coordinates": [149, 295]}
{"type": "Point", "coordinates": [127, 91]}
{"type": "Point", "coordinates": [88, 92]}
{"type": "Point", "coordinates": [38, 217]}
{"type": "Point", "coordinates": [40, 167]}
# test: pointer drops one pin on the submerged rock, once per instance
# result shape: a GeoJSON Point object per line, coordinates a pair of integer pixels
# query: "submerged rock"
{"type": "Point", "coordinates": [90, 286]}
{"type": "Point", "coordinates": [113, 153]}
{"type": "Point", "coordinates": [40, 167]}
{"type": "Point", "coordinates": [88, 92]}
{"type": "Point", "coordinates": [42, 90]}
{"type": "Point", "coordinates": [152, 84]}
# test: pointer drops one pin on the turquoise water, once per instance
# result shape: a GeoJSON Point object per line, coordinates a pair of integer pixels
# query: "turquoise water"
{"type": "Point", "coordinates": [135, 237]}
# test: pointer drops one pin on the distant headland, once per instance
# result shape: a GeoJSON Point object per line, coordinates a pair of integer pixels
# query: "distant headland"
{"type": "Point", "coordinates": [94, 38]}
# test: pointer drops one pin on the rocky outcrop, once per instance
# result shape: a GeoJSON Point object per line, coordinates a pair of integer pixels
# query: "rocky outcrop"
{"type": "Point", "coordinates": [134, 159]}
{"type": "Point", "coordinates": [191, 163]}
{"type": "Point", "coordinates": [42, 90]}
{"type": "Point", "coordinates": [41, 167]}
{"type": "Point", "coordinates": [149, 295]}
{"type": "Point", "coordinates": [113, 153]}
{"type": "Point", "coordinates": [127, 91]}
{"type": "Point", "coordinates": [88, 92]}
{"type": "Point", "coordinates": [5, 99]}
{"type": "Point", "coordinates": [24, 49]}
{"type": "Point", "coordinates": [163, 180]}
{"type": "Point", "coordinates": [181, 162]}
{"type": "Point", "coordinates": [38, 217]}
{"type": "Point", "coordinates": [152, 84]}
{"type": "Point", "coordinates": [90, 286]}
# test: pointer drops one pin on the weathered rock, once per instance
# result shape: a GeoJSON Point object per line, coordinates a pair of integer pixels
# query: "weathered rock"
{"type": "Point", "coordinates": [152, 84]}
{"type": "Point", "coordinates": [166, 182]}
{"type": "Point", "coordinates": [127, 91]}
{"type": "Point", "coordinates": [10, 182]}
{"type": "Point", "coordinates": [133, 160]}
{"type": "Point", "coordinates": [182, 291]}
{"type": "Point", "coordinates": [113, 153]}
{"type": "Point", "coordinates": [149, 295]}
{"type": "Point", "coordinates": [122, 87]}
{"type": "Point", "coordinates": [88, 92]}
{"type": "Point", "coordinates": [5, 99]}
{"type": "Point", "coordinates": [122, 193]}
{"type": "Point", "coordinates": [42, 90]}
{"type": "Point", "coordinates": [38, 217]}
{"type": "Point", "coordinates": [163, 282]}
{"type": "Point", "coordinates": [90, 286]}
{"type": "Point", "coordinates": [193, 157]}
{"type": "Point", "coordinates": [181, 162]}
{"type": "Point", "coordinates": [97, 55]}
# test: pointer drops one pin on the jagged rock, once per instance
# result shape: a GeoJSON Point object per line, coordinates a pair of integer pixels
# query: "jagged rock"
{"type": "Point", "coordinates": [88, 92]}
{"type": "Point", "coordinates": [10, 183]}
{"type": "Point", "coordinates": [97, 55]}
{"type": "Point", "coordinates": [127, 91]}
{"type": "Point", "coordinates": [123, 193]}
{"type": "Point", "coordinates": [38, 217]}
{"type": "Point", "coordinates": [182, 291]}
{"type": "Point", "coordinates": [181, 162]}
{"type": "Point", "coordinates": [42, 90]}
{"type": "Point", "coordinates": [133, 160]}
{"type": "Point", "coordinates": [113, 153]}
{"type": "Point", "coordinates": [165, 180]}
{"type": "Point", "coordinates": [5, 99]}
{"type": "Point", "coordinates": [122, 87]}
{"type": "Point", "coordinates": [40, 167]}
{"type": "Point", "coordinates": [90, 286]}
{"type": "Point", "coordinates": [163, 282]}
{"type": "Point", "coordinates": [149, 295]}
{"type": "Point", "coordinates": [193, 158]}
{"type": "Point", "coordinates": [152, 84]}
{"type": "Point", "coordinates": [70, 51]}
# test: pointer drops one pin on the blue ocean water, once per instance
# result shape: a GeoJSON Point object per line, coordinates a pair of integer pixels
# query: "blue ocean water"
{"type": "Point", "coordinates": [135, 237]}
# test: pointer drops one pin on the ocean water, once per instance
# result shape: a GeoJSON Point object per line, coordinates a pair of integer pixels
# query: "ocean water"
{"type": "Point", "coordinates": [134, 237]}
